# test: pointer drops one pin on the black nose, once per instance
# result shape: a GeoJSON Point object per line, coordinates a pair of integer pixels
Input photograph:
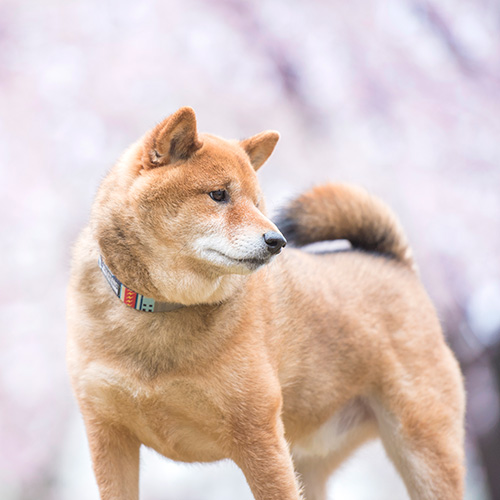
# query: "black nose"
{"type": "Point", "coordinates": [274, 241]}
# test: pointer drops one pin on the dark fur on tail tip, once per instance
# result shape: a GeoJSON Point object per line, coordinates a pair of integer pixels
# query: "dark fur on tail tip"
{"type": "Point", "coordinates": [380, 241]}
{"type": "Point", "coordinates": [377, 242]}
{"type": "Point", "coordinates": [289, 228]}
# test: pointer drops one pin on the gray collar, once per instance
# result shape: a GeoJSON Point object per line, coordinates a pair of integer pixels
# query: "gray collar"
{"type": "Point", "coordinates": [133, 299]}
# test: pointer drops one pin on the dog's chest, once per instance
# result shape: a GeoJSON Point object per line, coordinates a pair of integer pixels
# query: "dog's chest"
{"type": "Point", "coordinates": [172, 417]}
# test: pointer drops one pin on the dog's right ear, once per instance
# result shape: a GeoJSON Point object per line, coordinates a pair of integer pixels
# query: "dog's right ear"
{"type": "Point", "coordinates": [174, 139]}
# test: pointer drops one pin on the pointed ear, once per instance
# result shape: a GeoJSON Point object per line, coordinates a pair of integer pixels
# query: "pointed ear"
{"type": "Point", "coordinates": [260, 146]}
{"type": "Point", "coordinates": [175, 138]}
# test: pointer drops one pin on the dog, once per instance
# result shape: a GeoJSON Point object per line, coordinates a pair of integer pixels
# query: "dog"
{"type": "Point", "coordinates": [192, 332]}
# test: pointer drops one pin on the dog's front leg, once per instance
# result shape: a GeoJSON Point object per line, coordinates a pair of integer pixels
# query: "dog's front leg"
{"type": "Point", "coordinates": [262, 454]}
{"type": "Point", "coordinates": [115, 456]}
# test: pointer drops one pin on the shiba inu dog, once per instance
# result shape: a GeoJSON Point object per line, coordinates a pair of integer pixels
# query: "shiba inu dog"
{"type": "Point", "coordinates": [191, 334]}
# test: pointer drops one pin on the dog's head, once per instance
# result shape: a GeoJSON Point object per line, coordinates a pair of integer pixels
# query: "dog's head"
{"type": "Point", "coordinates": [189, 205]}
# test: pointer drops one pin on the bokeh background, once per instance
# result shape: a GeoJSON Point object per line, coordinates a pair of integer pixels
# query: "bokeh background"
{"type": "Point", "coordinates": [401, 96]}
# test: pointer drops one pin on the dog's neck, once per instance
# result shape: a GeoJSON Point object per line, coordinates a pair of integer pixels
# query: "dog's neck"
{"type": "Point", "coordinates": [133, 299]}
{"type": "Point", "coordinates": [184, 294]}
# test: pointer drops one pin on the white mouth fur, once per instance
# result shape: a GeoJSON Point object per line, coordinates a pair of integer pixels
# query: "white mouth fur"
{"type": "Point", "coordinates": [245, 253]}
{"type": "Point", "coordinates": [250, 262]}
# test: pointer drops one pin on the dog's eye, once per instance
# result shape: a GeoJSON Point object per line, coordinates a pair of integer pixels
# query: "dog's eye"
{"type": "Point", "coordinates": [220, 195]}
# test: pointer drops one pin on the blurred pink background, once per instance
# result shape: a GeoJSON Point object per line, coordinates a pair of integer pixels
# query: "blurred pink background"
{"type": "Point", "coordinates": [401, 96]}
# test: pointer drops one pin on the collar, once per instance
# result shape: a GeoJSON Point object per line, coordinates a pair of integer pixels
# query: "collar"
{"type": "Point", "coordinates": [133, 299]}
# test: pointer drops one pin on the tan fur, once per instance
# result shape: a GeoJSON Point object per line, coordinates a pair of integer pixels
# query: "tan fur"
{"type": "Point", "coordinates": [283, 368]}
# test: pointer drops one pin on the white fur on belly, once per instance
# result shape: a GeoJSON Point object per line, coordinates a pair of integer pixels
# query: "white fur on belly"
{"type": "Point", "coordinates": [338, 432]}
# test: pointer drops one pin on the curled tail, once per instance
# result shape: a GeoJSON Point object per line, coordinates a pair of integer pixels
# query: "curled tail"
{"type": "Point", "coordinates": [343, 211]}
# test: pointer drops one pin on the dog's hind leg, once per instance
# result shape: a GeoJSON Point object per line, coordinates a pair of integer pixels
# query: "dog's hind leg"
{"type": "Point", "coordinates": [115, 457]}
{"type": "Point", "coordinates": [424, 440]}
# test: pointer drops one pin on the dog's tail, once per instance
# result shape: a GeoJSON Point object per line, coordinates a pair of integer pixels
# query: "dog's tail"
{"type": "Point", "coordinates": [343, 211]}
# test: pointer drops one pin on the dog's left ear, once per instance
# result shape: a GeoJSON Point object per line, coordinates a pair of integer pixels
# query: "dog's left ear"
{"type": "Point", "coordinates": [174, 139]}
{"type": "Point", "coordinates": [260, 146]}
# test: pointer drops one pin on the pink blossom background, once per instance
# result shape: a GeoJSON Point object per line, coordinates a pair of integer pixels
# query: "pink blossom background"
{"type": "Point", "coordinates": [401, 96]}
